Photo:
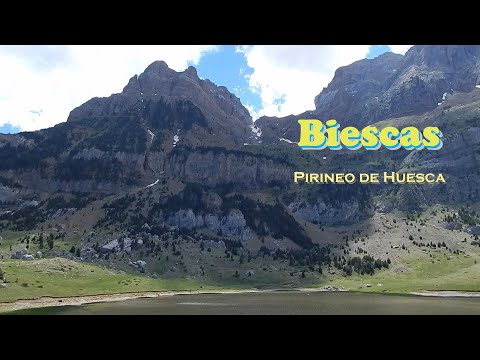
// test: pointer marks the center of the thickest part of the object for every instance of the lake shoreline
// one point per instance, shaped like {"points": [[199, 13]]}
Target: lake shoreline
{"points": [[49, 301], [447, 293]]}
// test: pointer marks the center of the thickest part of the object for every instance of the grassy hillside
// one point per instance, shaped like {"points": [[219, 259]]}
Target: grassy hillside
{"points": [[62, 277], [455, 273]]}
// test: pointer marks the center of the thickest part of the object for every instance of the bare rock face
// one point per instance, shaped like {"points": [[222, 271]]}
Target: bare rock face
{"points": [[458, 163], [159, 80], [454, 225], [222, 110], [474, 230], [322, 213], [358, 87], [19, 254], [210, 168], [232, 225], [184, 219], [139, 265]]}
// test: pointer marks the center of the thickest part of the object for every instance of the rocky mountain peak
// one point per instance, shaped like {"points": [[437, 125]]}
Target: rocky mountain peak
{"points": [[156, 73], [374, 71], [447, 57], [393, 85], [157, 67], [160, 83], [191, 72]]}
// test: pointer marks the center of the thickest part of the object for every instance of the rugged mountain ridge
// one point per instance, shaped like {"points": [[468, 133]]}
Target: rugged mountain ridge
{"points": [[159, 81], [167, 130], [388, 86], [393, 85], [163, 121], [170, 178]]}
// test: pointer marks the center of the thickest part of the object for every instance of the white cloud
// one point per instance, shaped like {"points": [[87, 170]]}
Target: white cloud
{"points": [[399, 49], [41, 84], [288, 77]]}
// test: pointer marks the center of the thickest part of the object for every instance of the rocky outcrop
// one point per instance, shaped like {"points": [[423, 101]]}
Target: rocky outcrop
{"points": [[232, 225], [345, 213], [452, 225], [23, 255], [122, 244], [139, 265], [385, 204], [185, 219], [18, 254], [474, 230], [88, 253], [214, 244]]}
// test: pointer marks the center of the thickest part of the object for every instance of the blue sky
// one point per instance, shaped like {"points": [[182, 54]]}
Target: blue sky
{"points": [[229, 68], [42, 84], [376, 50], [9, 129]]}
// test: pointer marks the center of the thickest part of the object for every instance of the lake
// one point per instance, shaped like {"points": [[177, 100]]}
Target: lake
{"points": [[283, 303]]}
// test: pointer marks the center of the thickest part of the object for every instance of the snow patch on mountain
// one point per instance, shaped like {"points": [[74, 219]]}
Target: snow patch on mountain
{"points": [[287, 140]]}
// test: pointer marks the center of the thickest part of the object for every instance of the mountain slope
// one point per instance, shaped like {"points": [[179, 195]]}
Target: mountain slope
{"points": [[172, 177], [111, 143]]}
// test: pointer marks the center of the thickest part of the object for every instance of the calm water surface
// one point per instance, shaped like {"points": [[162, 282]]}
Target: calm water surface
{"points": [[284, 303]]}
